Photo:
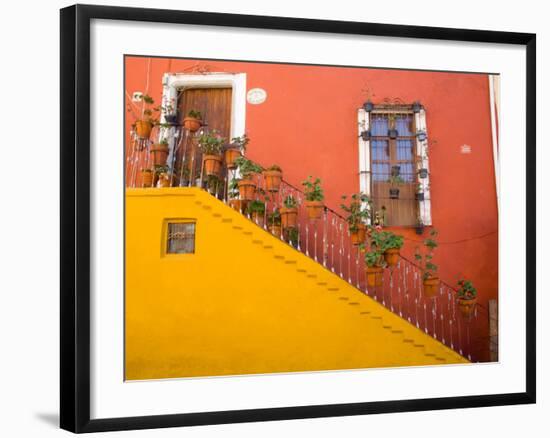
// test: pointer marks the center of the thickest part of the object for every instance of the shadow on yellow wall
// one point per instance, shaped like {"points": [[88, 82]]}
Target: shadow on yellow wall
{"points": [[245, 302]]}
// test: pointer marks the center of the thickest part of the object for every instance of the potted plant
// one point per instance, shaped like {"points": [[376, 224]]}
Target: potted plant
{"points": [[389, 244], [256, 211], [247, 185], [467, 297], [292, 236], [289, 212], [193, 121], [148, 118], [395, 181], [374, 267], [419, 227], [416, 107], [234, 150], [146, 177], [365, 135], [430, 279], [211, 145], [163, 176], [419, 193], [169, 113], [233, 194], [358, 212], [274, 222], [368, 106], [273, 176], [314, 197], [421, 135], [423, 173], [160, 152]]}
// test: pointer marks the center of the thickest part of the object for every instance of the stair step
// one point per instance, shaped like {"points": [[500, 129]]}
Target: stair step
{"points": [[397, 331], [387, 327], [303, 271], [354, 303], [343, 298], [207, 207], [333, 289], [322, 283], [227, 220], [216, 214], [257, 242], [418, 345], [408, 341], [441, 359], [237, 227], [290, 262], [247, 233], [366, 312], [429, 354], [312, 275], [279, 257], [268, 247]]}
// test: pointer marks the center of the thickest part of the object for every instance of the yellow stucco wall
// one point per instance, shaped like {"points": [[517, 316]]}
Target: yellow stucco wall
{"points": [[246, 302]]}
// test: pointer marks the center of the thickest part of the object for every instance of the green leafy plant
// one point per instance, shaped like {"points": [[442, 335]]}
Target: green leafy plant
{"points": [[384, 240], [194, 114], [466, 290], [274, 218], [425, 257], [148, 112], [313, 190], [233, 188], [374, 258], [290, 202], [395, 180], [256, 207], [161, 169], [358, 210], [211, 143], [293, 236], [247, 167], [240, 142]]}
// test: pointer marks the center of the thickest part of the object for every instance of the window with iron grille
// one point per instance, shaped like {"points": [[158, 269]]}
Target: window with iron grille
{"points": [[180, 238], [393, 167]]}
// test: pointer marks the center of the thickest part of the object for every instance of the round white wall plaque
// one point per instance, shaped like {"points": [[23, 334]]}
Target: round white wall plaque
{"points": [[255, 96]]}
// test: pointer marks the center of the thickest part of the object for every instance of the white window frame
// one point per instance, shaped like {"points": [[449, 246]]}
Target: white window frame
{"points": [[172, 82], [365, 173]]}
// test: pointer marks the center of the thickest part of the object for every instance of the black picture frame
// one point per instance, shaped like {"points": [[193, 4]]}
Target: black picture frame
{"points": [[75, 217]]}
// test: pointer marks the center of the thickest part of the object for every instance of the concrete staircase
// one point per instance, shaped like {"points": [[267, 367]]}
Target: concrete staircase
{"points": [[246, 302]]}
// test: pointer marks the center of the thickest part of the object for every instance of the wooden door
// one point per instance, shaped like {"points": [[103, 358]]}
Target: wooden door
{"points": [[213, 103]]}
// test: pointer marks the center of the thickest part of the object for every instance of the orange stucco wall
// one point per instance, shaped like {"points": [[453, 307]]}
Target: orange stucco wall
{"points": [[308, 125]]}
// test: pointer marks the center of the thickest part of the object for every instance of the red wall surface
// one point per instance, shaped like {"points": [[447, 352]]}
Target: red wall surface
{"points": [[308, 125]]}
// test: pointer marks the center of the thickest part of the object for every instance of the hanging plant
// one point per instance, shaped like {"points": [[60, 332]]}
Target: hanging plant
{"points": [[292, 236], [429, 269], [193, 121], [467, 297], [416, 107], [368, 106], [273, 177], [256, 211], [423, 173], [419, 227], [395, 181], [421, 135], [419, 194], [289, 212], [314, 197], [365, 135]]}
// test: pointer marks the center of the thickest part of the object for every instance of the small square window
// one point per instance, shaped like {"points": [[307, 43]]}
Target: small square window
{"points": [[181, 238]]}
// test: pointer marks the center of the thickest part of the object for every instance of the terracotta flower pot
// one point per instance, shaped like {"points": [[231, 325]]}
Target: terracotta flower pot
{"points": [[257, 218], [289, 217], [160, 154], [247, 189], [143, 129], [467, 306], [192, 124], [230, 155], [146, 178], [314, 209], [374, 276], [272, 180], [358, 237], [431, 286], [212, 164], [165, 180], [391, 256], [275, 229]]}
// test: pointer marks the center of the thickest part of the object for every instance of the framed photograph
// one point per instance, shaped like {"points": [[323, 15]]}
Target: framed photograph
{"points": [[269, 218]]}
